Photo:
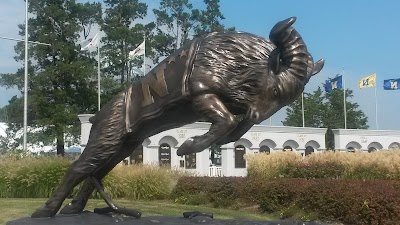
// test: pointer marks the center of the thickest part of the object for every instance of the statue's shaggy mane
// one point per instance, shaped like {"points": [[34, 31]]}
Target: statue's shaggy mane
{"points": [[236, 61]]}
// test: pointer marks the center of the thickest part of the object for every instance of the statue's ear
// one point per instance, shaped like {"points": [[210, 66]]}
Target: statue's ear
{"points": [[317, 67]]}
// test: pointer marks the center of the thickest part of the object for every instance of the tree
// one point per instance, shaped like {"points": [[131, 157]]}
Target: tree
{"points": [[59, 75], [177, 22], [326, 110], [123, 34]]}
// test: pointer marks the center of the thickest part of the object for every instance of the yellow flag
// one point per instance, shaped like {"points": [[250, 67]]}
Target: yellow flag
{"points": [[368, 81]]}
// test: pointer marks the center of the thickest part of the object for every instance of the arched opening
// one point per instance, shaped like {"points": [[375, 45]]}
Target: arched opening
{"points": [[374, 145], [137, 156], [315, 145], [351, 149], [265, 149], [394, 145], [290, 145], [268, 142], [240, 161], [164, 155], [353, 146], [372, 149], [308, 151], [287, 148]]}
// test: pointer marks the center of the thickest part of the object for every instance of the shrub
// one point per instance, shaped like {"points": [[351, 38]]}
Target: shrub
{"points": [[223, 191], [277, 194], [219, 191], [37, 177], [354, 202], [140, 182], [30, 177]]}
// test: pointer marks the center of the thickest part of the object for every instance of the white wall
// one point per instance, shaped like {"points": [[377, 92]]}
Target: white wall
{"points": [[364, 139]]}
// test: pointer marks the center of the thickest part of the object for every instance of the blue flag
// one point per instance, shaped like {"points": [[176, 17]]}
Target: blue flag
{"points": [[333, 84], [391, 84]]}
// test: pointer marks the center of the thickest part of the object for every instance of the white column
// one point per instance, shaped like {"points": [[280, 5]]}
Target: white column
{"points": [[86, 126]]}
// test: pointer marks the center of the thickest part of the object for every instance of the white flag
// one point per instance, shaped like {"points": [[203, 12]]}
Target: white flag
{"points": [[138, 51], [94, 42]]}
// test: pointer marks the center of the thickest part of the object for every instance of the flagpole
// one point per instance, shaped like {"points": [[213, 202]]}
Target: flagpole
{"points": [[376, 106], [26, 78], [98, 76], [302, 106], [144, 56], [344, 100]]}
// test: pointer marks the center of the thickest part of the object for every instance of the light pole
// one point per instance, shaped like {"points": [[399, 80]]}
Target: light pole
{"points": [[26, 71]]}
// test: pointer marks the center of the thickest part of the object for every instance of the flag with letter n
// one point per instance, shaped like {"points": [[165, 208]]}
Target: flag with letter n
{"points": [[368, 81], [333, 84], [391, 84]]}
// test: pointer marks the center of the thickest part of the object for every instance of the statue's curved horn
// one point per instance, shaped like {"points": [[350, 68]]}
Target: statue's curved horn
{"points": [[317, 67], [294, 54]]}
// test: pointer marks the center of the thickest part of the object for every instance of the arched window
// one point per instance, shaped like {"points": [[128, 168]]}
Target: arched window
{"points": [[265, 149], [137, 155], [372, 149], [287, 148], [164, 155], [351, 149], [308, 151], [240, 162]]}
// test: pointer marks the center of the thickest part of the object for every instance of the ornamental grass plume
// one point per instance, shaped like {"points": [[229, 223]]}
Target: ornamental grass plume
{"points": [[362, 165]]}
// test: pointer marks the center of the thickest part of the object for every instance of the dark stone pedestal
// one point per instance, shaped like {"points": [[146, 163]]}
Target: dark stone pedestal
{"points": [[89, 218]]}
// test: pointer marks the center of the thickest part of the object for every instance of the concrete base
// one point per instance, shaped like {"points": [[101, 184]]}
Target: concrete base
{"points": [[89, 218]]}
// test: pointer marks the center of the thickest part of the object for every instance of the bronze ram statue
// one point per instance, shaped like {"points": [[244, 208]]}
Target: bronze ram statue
{"points": [[214, 77]]}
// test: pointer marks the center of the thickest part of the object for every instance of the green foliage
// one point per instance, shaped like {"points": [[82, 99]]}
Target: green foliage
{"points": [[59, 75], [123, 34], [30, 177], [177, 21], [63, 79], [354, 202], [325, 110], [218, 191], [26, 176], [139, 182], [350, 202]]}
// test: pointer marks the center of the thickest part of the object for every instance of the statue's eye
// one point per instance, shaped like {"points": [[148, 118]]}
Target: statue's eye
{"points": [[276, 92]]}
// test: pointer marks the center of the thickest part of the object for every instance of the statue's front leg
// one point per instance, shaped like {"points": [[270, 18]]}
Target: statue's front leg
{"points": [[210, 107], [237, 133]]}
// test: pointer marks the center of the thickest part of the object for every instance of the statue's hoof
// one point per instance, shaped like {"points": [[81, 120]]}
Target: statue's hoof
{"points": [[44, 211], [72, 208], [186, 148]]}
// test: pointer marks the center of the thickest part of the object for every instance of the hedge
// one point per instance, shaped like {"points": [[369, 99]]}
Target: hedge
{"points": [[353, 202]]}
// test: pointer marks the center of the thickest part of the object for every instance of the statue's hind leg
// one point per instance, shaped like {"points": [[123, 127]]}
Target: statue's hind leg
{"points": [[79, 202], [223, 122], [107, 136]]}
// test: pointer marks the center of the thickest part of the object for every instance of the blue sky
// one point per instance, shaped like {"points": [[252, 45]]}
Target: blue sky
{"points": [[361, 36]]}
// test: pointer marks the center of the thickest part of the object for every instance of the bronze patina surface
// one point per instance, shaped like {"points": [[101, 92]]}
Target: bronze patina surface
{"points": [[215, 77]]}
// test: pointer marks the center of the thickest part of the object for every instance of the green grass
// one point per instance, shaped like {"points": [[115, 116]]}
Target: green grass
{"points": [[15, 208]]}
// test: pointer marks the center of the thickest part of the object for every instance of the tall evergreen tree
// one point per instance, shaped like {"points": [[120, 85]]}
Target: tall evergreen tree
{"points": [[59, 87], [178, 21], [123, 34]]}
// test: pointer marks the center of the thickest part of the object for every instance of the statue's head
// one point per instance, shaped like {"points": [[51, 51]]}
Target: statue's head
{"points": [[290, 67]]}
